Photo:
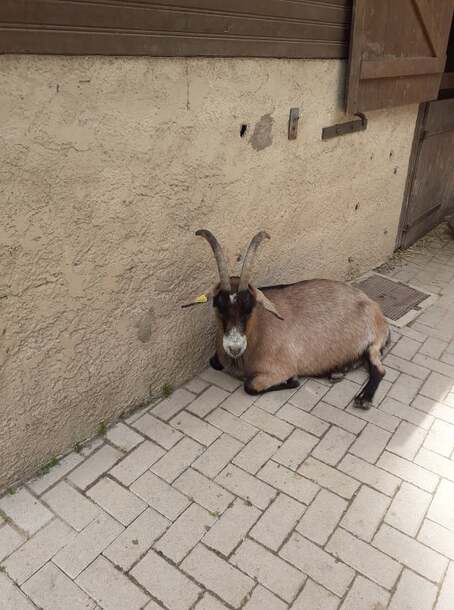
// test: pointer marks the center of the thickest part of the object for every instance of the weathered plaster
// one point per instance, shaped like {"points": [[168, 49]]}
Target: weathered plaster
{"points": [[108, 166]]}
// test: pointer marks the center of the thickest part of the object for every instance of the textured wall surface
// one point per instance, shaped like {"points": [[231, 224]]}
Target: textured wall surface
{"points": [[108, 166]]}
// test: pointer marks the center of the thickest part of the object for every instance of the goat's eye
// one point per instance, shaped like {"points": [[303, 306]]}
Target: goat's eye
{"points": [[221, 302], [247, 302]]}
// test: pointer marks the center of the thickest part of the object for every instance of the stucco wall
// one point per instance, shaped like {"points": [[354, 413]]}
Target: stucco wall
{"points": [[108, 166]]}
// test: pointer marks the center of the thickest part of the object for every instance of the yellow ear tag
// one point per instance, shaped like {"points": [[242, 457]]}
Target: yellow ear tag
{"points": [[201, 299]]}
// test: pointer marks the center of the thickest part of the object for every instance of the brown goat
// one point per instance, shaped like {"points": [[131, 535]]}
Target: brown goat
{"points": [[273, 335]]}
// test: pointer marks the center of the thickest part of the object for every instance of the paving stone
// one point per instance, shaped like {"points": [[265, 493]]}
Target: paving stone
{"points": [[246, 486], [406, 440], [165, 582], [406, 348], [123, 436], [271, 571], [231, 528], [161, 496], [322, 517], [271, 402], [199, 430], [175, 461], [303, 420], [257, 452], [381, 392], [435, 463], [408, 508], [317, 564], [404, 366], [132, 543], [218, 455], [185, 533], [267, 422], [196, 385], [158, 431], [338, 417], [440, 438], [411, 553], [408, 471], [25, 510], [435, 365], [123, 505], [217, 575], [234, 426], [333, 446], [11, 597], [447, 590], [94, 466], [65, 465], [432, 407], [38, 550], [369, 474], [315, 597], [277, 522], [224, 381], [238, 402], [436, 386], [261, 598], [10, 540], [50, 588], [309, 395], [413, 592], [329, 477], [71, 505], [370, 443], [207, 603], [207, 493], [342, 393], [295, 449], [375, 416], [81, 550], [169, 407], [438, 538], [365, 513], [208, 401], [365, 594], [364, 558], [137, 462], [408, 413], [441, 510], [110, 587], [289, 482], [405, 388]]}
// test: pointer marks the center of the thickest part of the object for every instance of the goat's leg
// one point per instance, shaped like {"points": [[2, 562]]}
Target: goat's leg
{"points": [[216, 363], [376, 373], [267, 383]]}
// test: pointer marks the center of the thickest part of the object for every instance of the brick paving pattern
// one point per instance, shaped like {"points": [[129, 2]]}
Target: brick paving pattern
{"points": [[215, 500]]}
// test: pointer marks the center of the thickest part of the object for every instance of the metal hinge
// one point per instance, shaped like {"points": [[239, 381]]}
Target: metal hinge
{"points": [[342, 129]]}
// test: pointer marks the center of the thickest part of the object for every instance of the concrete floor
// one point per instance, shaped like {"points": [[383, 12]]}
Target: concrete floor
{"points": [[212, 499]]}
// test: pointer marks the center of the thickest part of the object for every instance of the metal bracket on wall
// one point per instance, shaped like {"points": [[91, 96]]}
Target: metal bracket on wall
{"points": [[293, 123], [341, 129]]}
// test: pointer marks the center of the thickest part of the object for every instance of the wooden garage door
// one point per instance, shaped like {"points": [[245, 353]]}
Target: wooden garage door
{"points": [[256, 28]]}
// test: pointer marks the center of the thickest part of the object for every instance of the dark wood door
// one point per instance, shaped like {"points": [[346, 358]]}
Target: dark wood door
{"points": [[430, 187]]}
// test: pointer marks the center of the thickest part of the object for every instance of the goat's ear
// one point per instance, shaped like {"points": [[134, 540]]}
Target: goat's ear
{"points": [[200, 300], [266, 303]]}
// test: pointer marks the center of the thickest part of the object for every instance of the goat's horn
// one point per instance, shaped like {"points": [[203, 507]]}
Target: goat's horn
{"points": [[219, 256], [249, 259]]}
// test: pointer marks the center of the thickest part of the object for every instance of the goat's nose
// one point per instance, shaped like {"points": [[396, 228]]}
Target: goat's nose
{"points": [[235, 350]]}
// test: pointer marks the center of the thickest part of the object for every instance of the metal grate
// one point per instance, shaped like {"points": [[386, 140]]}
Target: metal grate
{"points": [[395, 299]]}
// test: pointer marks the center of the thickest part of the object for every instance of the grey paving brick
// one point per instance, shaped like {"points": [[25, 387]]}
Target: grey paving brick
{"points": [[137, 538], [446, 596], [271, 571], [94, 466], [370, 443], [329, 477], [25, 510], [261, 598], [267, 422], [64, 466], [408, 508], [123, 436], [246, 486], [438, 538], [436, 386], [217, 575], [364, 558], [406, 440], [277, 522], [434, 408], [365, 513], [137, 462], [295, 449], [209, 602], [257, 452], [289, 482], [317, 564], [406, 348], [199, 430], [196, 385], [315, 597], [238, 402], [405, 388], [175, 461], [158, 431], [169, 407], [434, 365], [11, 597], [309, 395], [218, 455], [435, 463], [333, 445], [159, 495], [365, 594], [224, 381], [342, 393], [369, 474], [207, 402], [185, 533], [338, 417], [407, 413], [322, 517], [440, 438], [413, 592], [375, 416], [273, 401], [441, 510], [404, 366], [116, 500], [408, 471], [300, 419], [233, 425], [165, 582], [231, 528], [71, 505], [207, 493], [10, 540]]}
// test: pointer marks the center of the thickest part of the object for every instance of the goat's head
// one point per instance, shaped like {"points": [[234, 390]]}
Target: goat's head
{"points": [[235, 298]]}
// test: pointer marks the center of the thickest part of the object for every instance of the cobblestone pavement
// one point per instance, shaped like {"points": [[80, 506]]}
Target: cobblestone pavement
{"points": [[213, 499]]}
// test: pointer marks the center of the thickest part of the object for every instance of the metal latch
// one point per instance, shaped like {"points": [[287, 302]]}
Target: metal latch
{"points": [[341, 129], [293, 123]]}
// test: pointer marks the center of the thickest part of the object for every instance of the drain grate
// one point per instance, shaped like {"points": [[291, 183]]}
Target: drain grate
{"points": [[395, 299]]}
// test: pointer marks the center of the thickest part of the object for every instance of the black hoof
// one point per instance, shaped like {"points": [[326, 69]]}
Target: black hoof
{"points": [[293, 382], [250, 390], [362, 403], [215, 363], [336, 377]]}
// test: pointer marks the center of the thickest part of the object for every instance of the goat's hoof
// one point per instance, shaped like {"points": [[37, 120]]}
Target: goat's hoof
{"points": [[362, 403], [249, 389], [336, 377], [215, 364], [292, 383]]}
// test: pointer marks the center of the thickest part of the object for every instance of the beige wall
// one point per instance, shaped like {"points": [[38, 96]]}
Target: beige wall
{"points": [[108, 166]]}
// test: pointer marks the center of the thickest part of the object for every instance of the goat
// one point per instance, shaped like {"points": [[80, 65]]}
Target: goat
{"points": [[271, 336]]}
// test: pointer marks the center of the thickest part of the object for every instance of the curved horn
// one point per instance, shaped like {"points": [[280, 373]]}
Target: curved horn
{"points": [[249, 259], [219, 255]]}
